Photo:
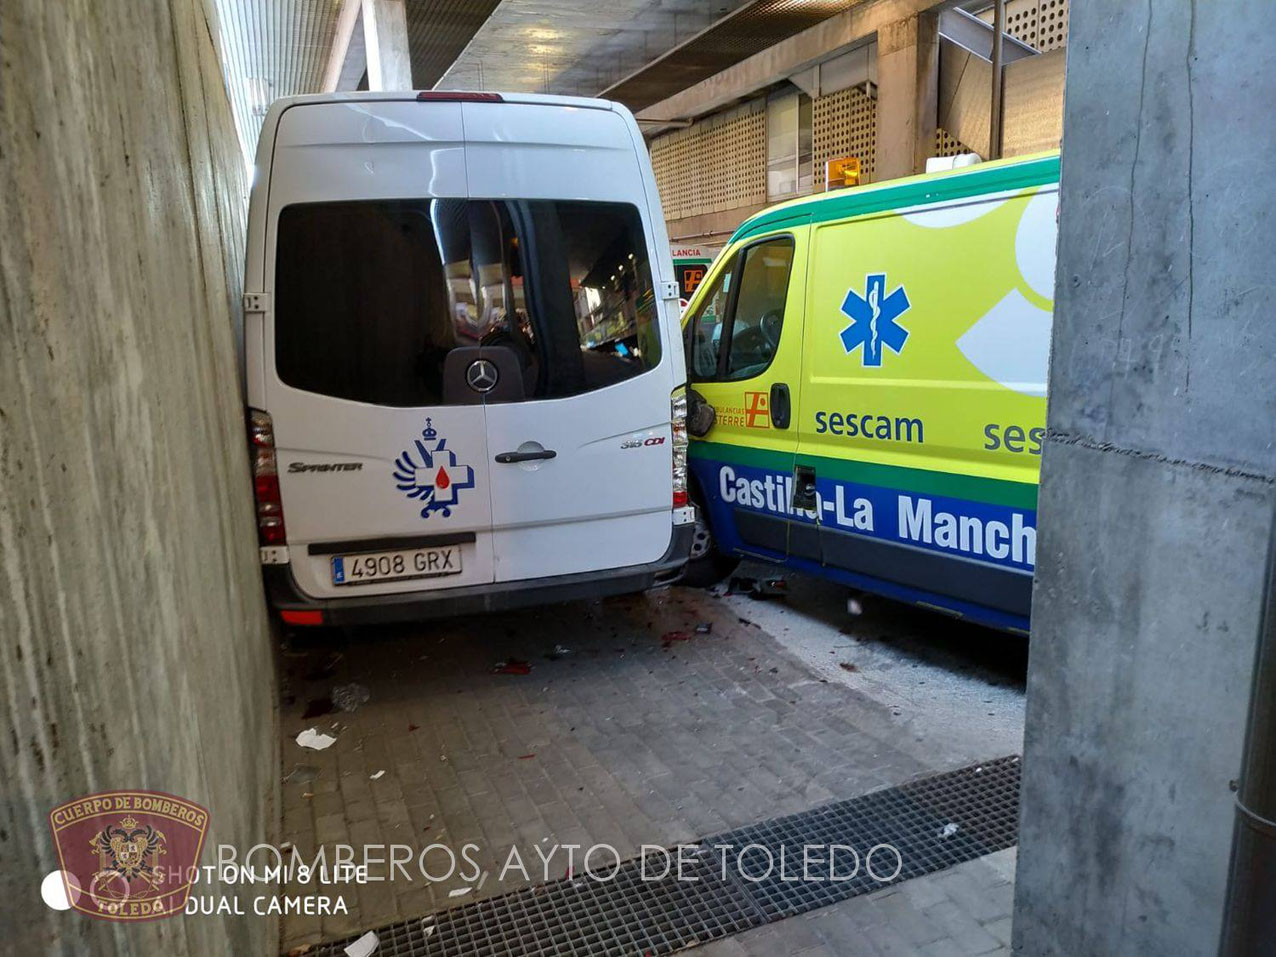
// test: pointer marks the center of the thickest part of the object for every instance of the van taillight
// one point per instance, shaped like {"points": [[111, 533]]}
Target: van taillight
{"points": [[270, 506], [678, 423]]}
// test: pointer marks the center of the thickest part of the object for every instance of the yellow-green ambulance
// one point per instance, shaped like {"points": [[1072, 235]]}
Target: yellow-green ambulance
{"points": [[876, 360]]}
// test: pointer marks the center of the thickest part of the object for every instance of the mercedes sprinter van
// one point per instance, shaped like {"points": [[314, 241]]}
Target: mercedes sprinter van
{"points": [[464, 373]]}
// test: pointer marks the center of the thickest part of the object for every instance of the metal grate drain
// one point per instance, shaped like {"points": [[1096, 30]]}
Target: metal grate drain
{"points": [[934, 822]]}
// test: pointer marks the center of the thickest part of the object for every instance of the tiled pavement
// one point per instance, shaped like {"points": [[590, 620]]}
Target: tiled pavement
{"points": [[625, 739], [961, 912]]}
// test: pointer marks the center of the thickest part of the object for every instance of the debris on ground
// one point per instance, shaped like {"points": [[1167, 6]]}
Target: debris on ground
{"points": [[512, 666], [558, 652], [377, 776], [948, 830], [349, 697], [427, 926], [315, 739], [364, 946], [459, 891], [412, 727], [524, 757], [301, 774], [771, 588], [317, 708], [327, 669], [854, 606], [760, 588], [704, 628], [847, 666]]}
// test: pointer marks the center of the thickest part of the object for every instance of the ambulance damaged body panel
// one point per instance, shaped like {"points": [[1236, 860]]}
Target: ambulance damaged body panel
{"points": [[911, 354]]}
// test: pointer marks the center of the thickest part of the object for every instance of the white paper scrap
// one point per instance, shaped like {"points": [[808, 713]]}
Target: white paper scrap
{"points": [[363, 946], [315, 740]]}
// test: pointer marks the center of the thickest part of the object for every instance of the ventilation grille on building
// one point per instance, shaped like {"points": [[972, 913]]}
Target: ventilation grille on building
{"points": [[843, 124], [948, 145], [1042, 24], [714, 165]]}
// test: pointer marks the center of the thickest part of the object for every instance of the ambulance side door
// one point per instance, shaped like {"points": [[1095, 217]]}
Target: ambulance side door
{"points": [[744, 355]]}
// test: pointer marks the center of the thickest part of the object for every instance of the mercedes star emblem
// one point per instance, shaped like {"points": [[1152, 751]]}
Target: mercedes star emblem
{"points": [[482, 375]]}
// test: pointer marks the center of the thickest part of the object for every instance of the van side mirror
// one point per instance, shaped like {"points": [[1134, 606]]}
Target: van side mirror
{"points": [[700, 414]]}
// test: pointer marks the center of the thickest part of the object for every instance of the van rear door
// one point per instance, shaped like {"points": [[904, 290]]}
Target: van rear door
{"points": [[581, 450], [382, 453]]}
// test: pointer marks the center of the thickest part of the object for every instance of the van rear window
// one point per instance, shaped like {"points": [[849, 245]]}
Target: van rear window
{"points": [[371, 297]]}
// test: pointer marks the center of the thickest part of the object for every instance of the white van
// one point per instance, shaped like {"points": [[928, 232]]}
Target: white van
{"points": [[464, 371]]}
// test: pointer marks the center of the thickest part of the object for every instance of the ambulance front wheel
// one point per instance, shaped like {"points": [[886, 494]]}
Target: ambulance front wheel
{"points": [[706, 566]]}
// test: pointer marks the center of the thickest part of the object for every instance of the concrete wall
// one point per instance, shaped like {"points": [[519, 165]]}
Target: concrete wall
{"points": [[1157, 483], [134, 641]]}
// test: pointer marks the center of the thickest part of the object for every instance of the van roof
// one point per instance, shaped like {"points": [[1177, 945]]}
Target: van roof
{"points": [[1008, 174], [362, 96]]}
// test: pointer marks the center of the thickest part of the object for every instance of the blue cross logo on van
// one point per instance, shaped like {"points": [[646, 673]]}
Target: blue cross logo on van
{"points": [[432, 476], [873, 319]]}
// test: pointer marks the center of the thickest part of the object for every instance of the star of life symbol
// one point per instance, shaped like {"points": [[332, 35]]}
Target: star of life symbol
{"points": [[873, 319], [429, 473]]}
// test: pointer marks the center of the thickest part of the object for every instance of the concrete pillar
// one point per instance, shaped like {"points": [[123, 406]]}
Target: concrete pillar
{"points": [[385, 34], [1157, 480], [907, 95]]}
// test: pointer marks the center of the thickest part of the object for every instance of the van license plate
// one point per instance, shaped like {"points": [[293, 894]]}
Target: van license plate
{"points": [[388, 566]]}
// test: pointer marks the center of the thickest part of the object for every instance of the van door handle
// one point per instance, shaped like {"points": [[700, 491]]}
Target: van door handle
{"points": [[508, 458], [780, 405]]}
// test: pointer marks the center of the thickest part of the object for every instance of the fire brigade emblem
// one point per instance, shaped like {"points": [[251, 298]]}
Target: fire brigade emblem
{"points": [[429, 473], [128, 855], [130, 850]]}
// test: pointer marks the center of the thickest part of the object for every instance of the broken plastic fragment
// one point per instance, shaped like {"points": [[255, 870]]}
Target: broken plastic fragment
{"points": [[349, 697], [315, 739], [377, 776], [948, 830], [459, 891]]}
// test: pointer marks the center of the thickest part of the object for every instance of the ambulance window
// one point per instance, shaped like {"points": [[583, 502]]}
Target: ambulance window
{"points": [[758, 317], [706, 335]]}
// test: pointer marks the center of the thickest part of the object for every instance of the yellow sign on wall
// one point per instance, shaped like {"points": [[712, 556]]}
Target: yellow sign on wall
{"points": [[843, 172]]}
